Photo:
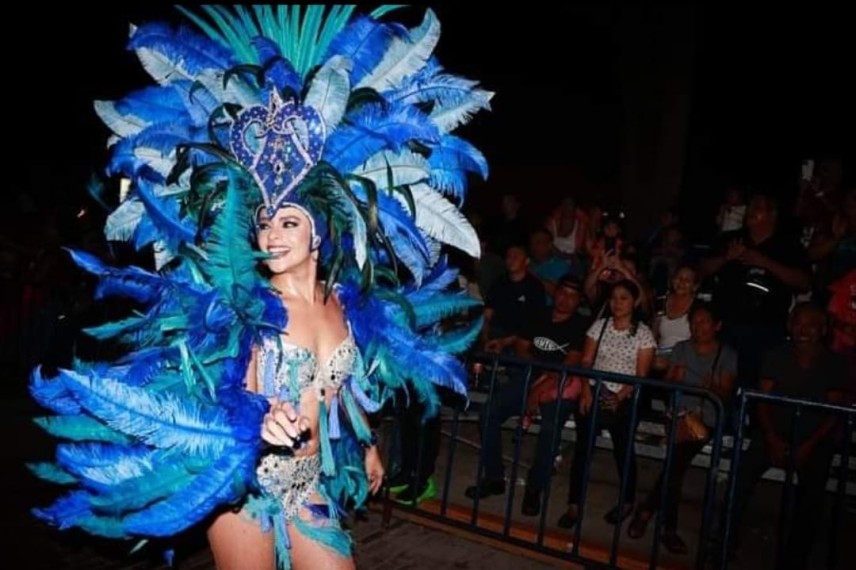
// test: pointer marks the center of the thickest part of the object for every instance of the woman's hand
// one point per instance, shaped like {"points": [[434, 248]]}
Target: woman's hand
{"points": [[374, 469], [283, 426]]}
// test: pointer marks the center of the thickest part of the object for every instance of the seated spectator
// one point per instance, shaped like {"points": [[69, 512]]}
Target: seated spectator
{"points": [[545, 264], [702, 361], [568, 226], [621, 344], [804, 369], [552, 336], [672, 325], [512, 298]]}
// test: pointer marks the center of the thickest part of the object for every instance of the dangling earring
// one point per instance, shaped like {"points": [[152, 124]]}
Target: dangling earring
{"points": [[315, 247]]}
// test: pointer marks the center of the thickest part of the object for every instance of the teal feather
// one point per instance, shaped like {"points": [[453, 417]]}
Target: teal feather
{"points": [[442, 305], [52, 472], [459, 341], [333, 537], [220, 484], [328, 467], [355, 417], [165, 479], [80, 428], [114, 329]]}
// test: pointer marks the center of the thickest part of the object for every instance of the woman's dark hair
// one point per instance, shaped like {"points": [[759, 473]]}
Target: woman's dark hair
{"points": [[633, 289], [708, 308]]}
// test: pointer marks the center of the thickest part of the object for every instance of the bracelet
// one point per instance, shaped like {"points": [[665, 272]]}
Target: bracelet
{"points": [[372, 441]]}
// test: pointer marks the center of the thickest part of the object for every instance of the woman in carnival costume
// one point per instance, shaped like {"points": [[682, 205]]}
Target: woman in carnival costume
{"points": [[294, 172]]}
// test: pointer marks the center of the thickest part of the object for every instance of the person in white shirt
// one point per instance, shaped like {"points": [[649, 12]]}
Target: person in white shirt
{"points": [[618, 343]]}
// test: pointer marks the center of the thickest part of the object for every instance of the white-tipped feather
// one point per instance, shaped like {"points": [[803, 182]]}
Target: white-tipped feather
{"points": [[442, 220], [121, 125], [450, 117], [330, 90], [404, 58], [407, 168], [123, 221]]}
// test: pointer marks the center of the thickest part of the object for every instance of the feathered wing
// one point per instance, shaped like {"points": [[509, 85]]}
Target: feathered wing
{"points": [[158, 440]]}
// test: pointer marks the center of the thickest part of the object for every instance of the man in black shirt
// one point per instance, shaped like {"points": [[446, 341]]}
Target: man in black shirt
{"points": [[513, 297], [555, 336], [803, 369], [757, 272]]}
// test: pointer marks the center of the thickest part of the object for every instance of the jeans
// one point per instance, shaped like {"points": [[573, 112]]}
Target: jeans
{"points": [[509, 400]]}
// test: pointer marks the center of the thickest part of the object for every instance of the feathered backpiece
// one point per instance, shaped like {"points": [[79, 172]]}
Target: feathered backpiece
{"points": [[349, 115]]}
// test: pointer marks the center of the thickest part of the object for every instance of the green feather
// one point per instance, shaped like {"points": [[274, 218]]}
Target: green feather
{"points": [[80, 428], [52, 472]]}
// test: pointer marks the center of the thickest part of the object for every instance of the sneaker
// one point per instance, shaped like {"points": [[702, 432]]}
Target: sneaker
{"points": [[486, 488], [399, 482], [427, 491]]}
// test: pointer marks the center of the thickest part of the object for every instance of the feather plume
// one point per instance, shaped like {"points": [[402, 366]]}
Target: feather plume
{"points": [[373, 128], [100, 465], [52, 394], [364, 42], [439, 306], [219, 485], [405, 57], [328, 94], [443, 221], [80, 428], [52, 473], [162, 420], [123, 221], [169, 55], [405, 167]]}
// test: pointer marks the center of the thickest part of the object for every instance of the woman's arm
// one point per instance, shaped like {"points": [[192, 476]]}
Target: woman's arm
{"points": [[251, 380]]}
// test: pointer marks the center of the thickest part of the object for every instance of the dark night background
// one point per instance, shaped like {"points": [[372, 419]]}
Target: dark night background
{"points": [[639, 107]]}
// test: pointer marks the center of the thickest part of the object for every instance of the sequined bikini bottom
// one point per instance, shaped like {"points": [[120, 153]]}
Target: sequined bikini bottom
{"points": [[289, 479]]}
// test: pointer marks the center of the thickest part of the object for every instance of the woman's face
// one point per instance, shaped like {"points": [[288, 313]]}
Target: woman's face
{"points": [[703, 327], [684, 281], [621, 302], [287, 237]]}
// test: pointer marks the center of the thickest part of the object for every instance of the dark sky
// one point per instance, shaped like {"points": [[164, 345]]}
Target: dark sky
{"points": [[768, 87]]}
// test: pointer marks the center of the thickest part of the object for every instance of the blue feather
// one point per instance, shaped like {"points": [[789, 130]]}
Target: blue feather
{"points": [[401, 230], [221, 484], [280, 71], [199, 102], [52, 394], [67, 511], [164, 214], [364, 41], [100, 465], [153, 105], [191, 52], [144, 364], [440, 278], [132, 282], [163, 420], [79, 428], [376, 127], [450, 161]]}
